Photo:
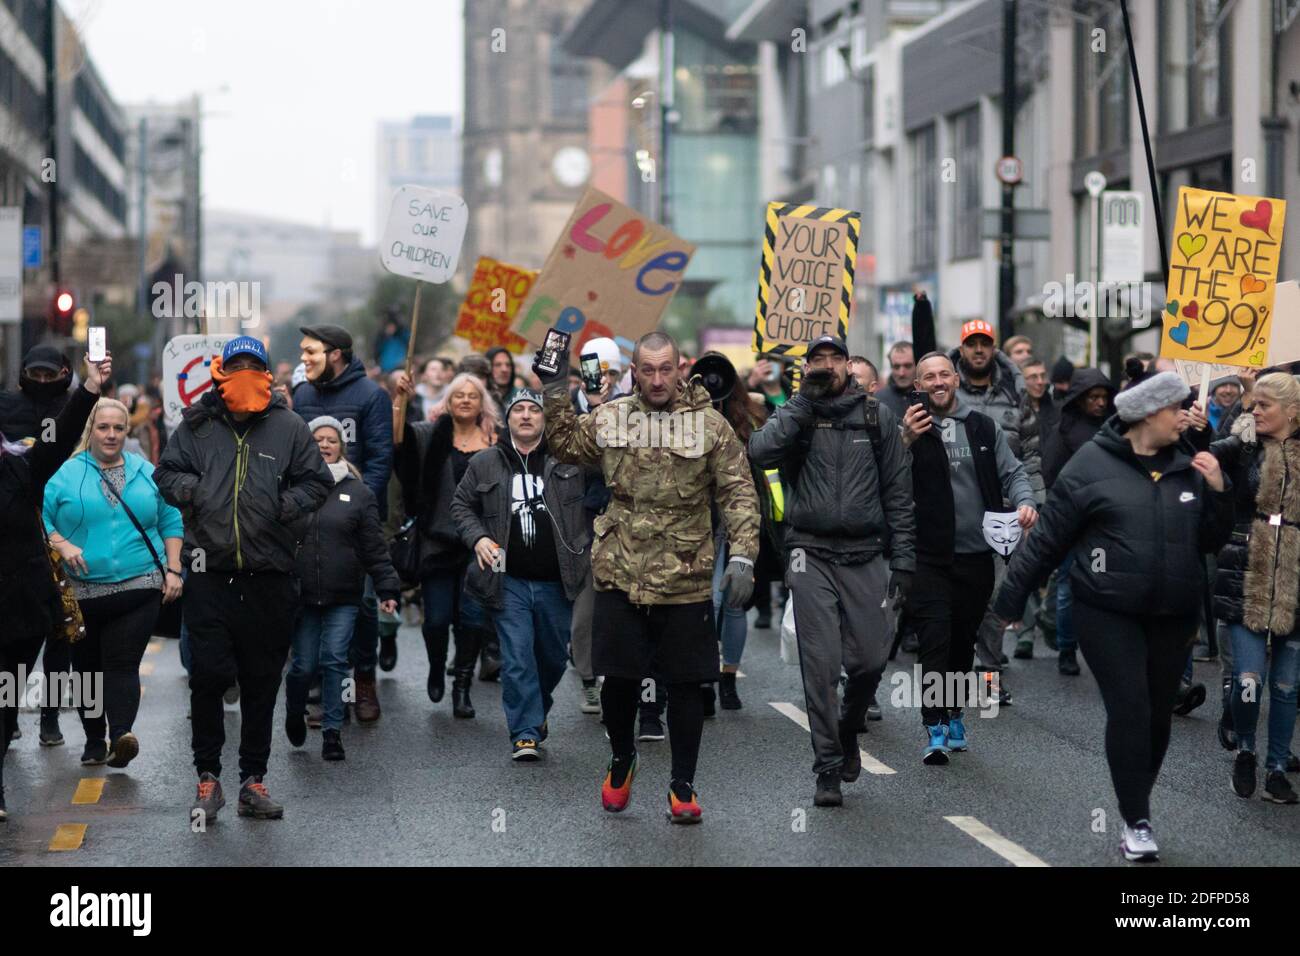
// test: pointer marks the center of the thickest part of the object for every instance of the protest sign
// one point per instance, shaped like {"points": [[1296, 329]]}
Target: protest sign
{"points": [[1284, 333], [805, 281], [1221, 282], [187, 372], [495, 293], [611, 273], [425, 230]]}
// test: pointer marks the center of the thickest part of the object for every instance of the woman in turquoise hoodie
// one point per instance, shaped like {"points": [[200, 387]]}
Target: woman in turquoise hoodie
{"points": [[120, 574]]}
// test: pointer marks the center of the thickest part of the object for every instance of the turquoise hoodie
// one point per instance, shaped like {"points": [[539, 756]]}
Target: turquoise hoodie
{"points": [[77, 507]]}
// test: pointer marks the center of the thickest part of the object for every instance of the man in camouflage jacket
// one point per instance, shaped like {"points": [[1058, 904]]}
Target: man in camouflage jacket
{"points": [[666, 456]]}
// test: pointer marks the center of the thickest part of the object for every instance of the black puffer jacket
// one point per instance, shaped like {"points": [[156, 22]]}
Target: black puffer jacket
{"points": [[341, 543], [1243, 463], [29, 601], [1137, 543], [239, 495], [22, 415], [841, 503], [1069, 429]]}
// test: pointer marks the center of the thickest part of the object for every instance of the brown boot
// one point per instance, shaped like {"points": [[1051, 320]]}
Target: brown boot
{"points": [[367, 705]]}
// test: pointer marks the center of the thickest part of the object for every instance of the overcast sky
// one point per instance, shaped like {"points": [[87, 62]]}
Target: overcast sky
{"points": [[294, 135]]}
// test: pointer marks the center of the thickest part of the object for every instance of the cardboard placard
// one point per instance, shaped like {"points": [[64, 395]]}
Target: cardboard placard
{"points": [[1284, 333], [611, 273], [187, 372], [424, 233], [805, 276], [495, 294], [1222, 278]]}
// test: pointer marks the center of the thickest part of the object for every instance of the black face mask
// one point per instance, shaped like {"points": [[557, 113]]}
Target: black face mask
{"points": [[44, 391]]}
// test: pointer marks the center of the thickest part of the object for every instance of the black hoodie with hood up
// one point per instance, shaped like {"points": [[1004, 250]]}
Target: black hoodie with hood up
{"points": [[1070, 429]]}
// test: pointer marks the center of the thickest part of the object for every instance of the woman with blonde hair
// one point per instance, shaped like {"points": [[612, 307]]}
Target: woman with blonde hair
{"points": [[1257, 584], [340, 543], [105, 516], [430, 462]]}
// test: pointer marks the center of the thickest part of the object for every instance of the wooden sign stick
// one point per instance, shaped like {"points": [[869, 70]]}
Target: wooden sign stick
{"points": [[1206, 368], [399, 419]]}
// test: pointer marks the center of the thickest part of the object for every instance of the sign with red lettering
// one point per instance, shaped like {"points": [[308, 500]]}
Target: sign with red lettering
{"points": [[805, 276], [494, 296], [187, 372], [611, 274]]}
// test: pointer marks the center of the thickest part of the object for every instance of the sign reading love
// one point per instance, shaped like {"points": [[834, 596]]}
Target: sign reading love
{"points": [[1222, 280], [611, 274]]}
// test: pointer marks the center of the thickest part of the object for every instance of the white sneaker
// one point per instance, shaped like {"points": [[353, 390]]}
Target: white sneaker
{"points": [[1138, 845], [591, 699]]}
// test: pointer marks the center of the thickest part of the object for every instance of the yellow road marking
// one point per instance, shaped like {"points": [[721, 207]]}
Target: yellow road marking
{"points": [[89, 790], [68, 836]]}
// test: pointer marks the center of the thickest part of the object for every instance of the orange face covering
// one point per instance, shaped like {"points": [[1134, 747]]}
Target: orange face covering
{"points": [[246, 390]]}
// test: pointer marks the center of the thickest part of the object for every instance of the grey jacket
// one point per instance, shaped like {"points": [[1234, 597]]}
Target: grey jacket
{"points": [[481, 508], [1003, 401], [842, 501]]}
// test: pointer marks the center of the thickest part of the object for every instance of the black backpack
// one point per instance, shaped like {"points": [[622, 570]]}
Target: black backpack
{"points": [[793, 465]]}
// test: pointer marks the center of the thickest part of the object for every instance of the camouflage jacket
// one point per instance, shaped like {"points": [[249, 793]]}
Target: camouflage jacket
{"points": [[663, 469]]}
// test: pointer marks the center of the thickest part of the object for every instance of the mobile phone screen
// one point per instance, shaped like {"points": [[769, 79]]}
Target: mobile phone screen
{"points": [[556, 345], [591, 377], [96, 343]]}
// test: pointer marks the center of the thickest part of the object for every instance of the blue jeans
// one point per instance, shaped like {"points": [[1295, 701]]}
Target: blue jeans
{"points": [[365, 637], [533, 628], [321, 638], [1065, 607], [1249, 658], [732, 623]]}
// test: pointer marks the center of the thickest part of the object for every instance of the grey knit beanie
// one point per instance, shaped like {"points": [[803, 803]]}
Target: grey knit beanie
{"points": [[1150, 395], [322, 420]]}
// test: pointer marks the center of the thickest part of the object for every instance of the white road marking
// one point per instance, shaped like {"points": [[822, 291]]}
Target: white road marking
{"points": [[1013, 853], [869, 763]]}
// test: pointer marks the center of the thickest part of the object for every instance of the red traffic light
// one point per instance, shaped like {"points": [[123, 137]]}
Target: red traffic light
{"points": [[64, 302]]}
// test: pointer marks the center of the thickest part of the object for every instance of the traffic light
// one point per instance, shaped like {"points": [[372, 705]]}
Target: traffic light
{"points": [[61, 312], [81, 325]]}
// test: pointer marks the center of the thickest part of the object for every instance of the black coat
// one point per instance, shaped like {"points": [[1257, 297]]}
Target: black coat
{"points": [[850, 497], [1067, 429], [340, 543], [29, 601], [21, 415], [481, 508], [242, 524], [1137, 543]]}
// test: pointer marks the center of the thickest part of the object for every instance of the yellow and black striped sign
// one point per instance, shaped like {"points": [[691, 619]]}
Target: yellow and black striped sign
{"points": [[805, 278]]}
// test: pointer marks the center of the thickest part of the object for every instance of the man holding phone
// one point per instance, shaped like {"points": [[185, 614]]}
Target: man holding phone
{"points": [[962, 466], [652, 557], [849, 537]]}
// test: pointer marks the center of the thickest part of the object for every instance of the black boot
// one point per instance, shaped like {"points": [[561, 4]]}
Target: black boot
{"points": [[727, 695], [51, 736], [436, 647], [489, 667], [460, 702], [708, 698]]}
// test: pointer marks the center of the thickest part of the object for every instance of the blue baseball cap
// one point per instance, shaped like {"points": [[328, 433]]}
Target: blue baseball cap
{"points": [[245, 345]]}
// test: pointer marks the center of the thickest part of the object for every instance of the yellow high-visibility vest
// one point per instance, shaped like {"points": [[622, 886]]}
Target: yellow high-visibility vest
{"points": [[778, 496]]}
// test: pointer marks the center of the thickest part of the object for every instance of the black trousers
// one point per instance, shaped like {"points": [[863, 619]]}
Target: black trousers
{"points": [[946, 607], [15, 657], [240, 628], [1138, 662], [118, 627]]}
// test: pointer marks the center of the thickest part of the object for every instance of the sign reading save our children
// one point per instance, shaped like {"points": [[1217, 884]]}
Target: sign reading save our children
{"points": [[424, 233], [611, 273], [1222, 278]]}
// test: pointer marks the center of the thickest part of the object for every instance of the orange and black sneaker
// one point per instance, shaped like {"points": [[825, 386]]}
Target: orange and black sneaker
{"points": [[617, 788], [683, 805]]}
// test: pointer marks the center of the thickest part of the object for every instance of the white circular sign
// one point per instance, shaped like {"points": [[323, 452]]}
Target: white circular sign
{"points": [[571, 166], [1094, 182], [1010, 170]]}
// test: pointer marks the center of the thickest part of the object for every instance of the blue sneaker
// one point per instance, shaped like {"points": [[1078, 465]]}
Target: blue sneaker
{"points": [[956, 733], [936, 752]]}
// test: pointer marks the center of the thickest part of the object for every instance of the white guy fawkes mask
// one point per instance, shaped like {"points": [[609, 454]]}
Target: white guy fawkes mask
{"points": [[1001, 531]]}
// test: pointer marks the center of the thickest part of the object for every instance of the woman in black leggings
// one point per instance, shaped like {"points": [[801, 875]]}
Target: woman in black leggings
{"points": [[1136, 508]]}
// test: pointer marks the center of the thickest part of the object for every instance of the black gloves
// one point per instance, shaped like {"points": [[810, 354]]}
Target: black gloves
{"points": [[816, 384], [561, 374], [900, 586]]}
